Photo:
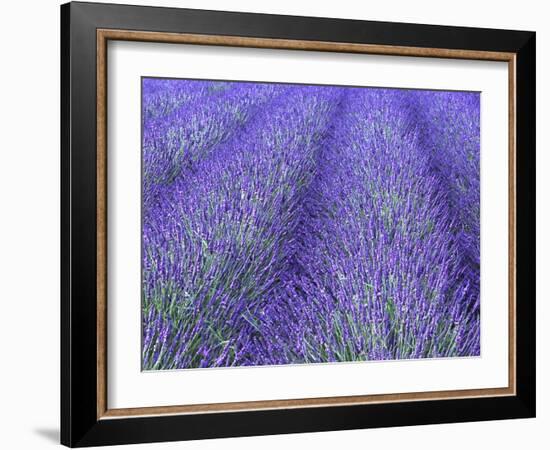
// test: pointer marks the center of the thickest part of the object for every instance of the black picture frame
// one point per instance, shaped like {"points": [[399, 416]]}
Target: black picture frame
{"points": [[80, 425]]}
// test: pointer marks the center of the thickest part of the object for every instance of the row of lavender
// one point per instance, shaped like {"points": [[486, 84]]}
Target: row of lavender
{"points": [[292, 224]]}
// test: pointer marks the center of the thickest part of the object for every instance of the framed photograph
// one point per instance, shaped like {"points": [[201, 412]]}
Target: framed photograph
{"points": [[277, 224]]}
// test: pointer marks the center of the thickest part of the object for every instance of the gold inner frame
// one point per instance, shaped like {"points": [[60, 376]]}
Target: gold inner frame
{"points": [[103, 36]]}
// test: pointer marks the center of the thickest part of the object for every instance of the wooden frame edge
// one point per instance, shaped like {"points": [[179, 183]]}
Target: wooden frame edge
{"points": [[101, 223], [289, 44], [512, 200], [103, 35], [212, 408]]}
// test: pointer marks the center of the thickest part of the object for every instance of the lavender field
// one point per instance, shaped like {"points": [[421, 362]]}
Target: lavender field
{"points": [[289, 224]]}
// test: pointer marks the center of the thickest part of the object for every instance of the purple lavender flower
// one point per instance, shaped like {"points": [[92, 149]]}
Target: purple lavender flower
{"points": [[300, 224]]}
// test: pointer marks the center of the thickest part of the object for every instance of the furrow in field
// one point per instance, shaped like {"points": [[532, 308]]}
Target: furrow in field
{"points": [[449, 131], [188, 123], [379, 259], [219, 249]]}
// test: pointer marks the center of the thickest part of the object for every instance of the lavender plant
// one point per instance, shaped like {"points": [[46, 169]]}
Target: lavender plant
{"points": [[304, 224]]}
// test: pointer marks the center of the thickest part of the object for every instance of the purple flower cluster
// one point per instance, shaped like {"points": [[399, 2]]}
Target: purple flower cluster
{"points": [[287, 224]]}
